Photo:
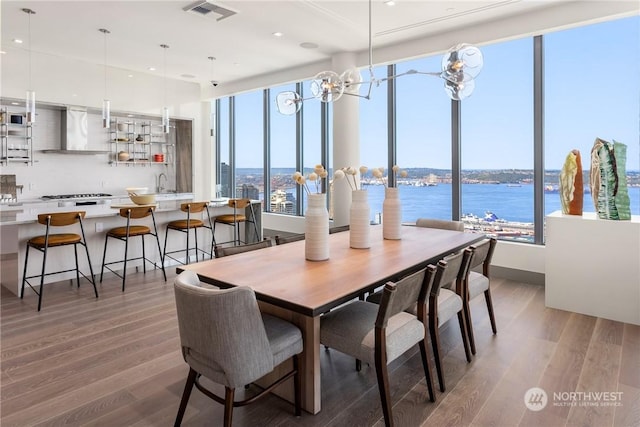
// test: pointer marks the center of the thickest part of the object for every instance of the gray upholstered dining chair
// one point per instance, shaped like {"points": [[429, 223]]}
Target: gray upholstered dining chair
{"points": [[225, 338], [440, 223], [445, 301], [221, 251], [477, 283], [378, 334]]}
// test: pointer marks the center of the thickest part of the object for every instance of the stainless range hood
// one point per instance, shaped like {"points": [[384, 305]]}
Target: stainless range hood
{"points": [[74, 135]]}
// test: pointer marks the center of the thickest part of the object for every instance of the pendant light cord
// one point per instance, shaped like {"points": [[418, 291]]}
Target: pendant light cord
{"points": [[29, 26]]}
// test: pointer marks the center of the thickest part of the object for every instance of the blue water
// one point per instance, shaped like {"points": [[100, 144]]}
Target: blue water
{"points": [[510, 203]]}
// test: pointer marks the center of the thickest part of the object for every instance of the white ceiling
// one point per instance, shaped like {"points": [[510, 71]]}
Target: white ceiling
{"points": [[243, 43]]}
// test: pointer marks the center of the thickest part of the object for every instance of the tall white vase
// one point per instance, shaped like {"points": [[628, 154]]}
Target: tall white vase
{"points": [[316, 228], [391, 214], [359, 220]]}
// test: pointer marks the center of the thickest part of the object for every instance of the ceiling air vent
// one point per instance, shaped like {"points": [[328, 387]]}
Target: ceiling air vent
{"points": [[209, 10]]}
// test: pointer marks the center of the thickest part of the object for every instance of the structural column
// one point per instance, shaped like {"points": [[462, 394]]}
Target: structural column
{"points": [[346, 140]]}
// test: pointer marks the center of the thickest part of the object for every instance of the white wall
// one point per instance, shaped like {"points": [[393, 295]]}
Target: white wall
{"points": [[61, 81]]}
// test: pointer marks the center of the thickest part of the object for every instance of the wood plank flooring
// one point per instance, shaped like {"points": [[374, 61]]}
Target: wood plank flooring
{"points": [[116, 361]]}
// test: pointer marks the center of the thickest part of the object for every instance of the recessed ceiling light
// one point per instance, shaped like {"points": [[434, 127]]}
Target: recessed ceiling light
{"points": [[2, 52], [308, 45], [129, 115], [130, 75], [17, 41], [390, 2], [15, 103], [151, 68], [450, 9], [74, 95], [278, 34], [187, 76]]}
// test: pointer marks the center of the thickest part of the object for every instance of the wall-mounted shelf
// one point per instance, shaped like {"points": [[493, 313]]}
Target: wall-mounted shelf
{"points": [[136, 142], [16, 141]]}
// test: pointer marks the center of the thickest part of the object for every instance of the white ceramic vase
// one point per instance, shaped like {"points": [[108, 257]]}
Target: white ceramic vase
{"points": [[391, 214], [359, 220], [316, 228]]}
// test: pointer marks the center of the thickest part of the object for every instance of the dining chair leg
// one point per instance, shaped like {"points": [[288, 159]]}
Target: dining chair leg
{"points": [[487, 298], [164, 252], [463, 331], [195, 240], [186, 261], [188, 387], [467, 315], [144, 256], [383, 384], [427, 368], [228, 406], [435, 344]]}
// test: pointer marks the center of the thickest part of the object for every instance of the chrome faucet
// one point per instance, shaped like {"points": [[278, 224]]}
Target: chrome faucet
{"points": [[160, 187]]}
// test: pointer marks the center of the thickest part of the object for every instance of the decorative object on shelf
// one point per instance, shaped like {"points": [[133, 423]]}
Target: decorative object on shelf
{"points": [[122, 127], [460, 66], [608, 180], [139, 138], [106, 104], [571, 185], [30, 100], [316, 222], [123, 156]]}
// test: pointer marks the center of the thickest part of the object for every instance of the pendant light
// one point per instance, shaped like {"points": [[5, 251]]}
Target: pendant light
{"points": [[213, 82], [106, 104], [30, 100], [165, 109]]}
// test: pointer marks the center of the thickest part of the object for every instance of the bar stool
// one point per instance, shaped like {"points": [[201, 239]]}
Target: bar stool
{"points": [[235, 219], [190, 224], [49, 240], [129, 231]]}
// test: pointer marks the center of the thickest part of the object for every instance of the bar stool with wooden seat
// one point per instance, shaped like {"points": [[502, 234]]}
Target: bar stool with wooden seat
{"points": [[236, 218], [129, 231], [185, 225], [50, 240]]}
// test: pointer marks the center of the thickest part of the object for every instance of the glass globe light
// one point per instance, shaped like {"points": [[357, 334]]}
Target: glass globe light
{"points": [[327, 86], [351, 79], [459, 91], [288, 102], [462, 58]]}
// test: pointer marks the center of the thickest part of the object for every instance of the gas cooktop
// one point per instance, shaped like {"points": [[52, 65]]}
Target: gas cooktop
{"points": [[77, 196]]}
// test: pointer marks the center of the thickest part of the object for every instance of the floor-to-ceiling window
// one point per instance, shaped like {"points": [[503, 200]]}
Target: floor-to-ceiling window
{"points": [[423, 134], [373, 137], [223, 186], [592, 90], [497, 143], [249, 141], [311, 136], [282, 145]]}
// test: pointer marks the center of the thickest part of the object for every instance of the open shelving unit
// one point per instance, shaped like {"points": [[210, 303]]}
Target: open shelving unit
{"points": [[16, 138], [137, 142]]}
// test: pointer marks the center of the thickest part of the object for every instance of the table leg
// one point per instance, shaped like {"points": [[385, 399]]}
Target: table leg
{"points": [[310, 360]]}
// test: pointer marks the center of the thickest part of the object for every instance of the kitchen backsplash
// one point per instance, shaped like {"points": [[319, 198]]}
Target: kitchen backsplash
{"points": [[53, 173]]}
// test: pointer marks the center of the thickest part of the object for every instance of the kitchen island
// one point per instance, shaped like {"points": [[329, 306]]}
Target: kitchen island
{"points": [[19, 223]]}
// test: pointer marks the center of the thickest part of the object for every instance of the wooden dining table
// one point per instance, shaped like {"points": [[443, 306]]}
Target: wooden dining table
{"points": [[289, 286]]}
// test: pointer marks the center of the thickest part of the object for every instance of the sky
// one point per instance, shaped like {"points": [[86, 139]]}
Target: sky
{"points": [[591, 89]]}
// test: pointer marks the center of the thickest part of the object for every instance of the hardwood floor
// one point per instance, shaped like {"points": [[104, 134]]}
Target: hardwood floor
{"points": [[116, 361]]}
